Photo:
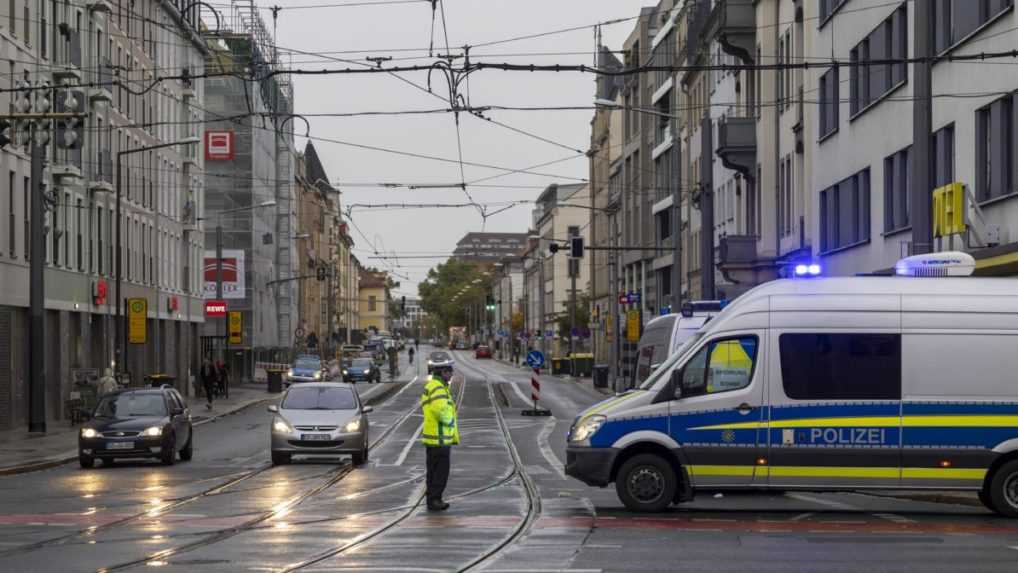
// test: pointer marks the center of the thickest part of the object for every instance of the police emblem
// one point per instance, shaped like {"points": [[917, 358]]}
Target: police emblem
{"points": [[728, 436]]}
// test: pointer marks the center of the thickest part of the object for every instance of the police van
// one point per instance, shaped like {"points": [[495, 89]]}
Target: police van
{"points": [[664, 335], [905, 382]]}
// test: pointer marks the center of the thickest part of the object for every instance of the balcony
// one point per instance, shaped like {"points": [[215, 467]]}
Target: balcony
{"points": [[70, 67], [101, 180], [696, 20], [733, 24], [739, 263], [737, 144], [103, 90]]}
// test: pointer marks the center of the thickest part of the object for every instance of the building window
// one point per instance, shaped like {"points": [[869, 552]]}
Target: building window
{"points": [[844, 213], [995, 149], [664, 225], [11, 216], [67, 230], [897, 189], [80, 249], [372, 303], [829, 102], [828, 8], [889, 41], [956, 20], [943, 142], [27, 191]]}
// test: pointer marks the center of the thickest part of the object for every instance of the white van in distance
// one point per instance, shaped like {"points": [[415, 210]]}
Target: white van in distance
{"points": [[818, 384]]}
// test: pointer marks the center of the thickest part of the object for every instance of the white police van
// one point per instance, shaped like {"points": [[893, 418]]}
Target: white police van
{"points": [[825, 384], [664, 335]]}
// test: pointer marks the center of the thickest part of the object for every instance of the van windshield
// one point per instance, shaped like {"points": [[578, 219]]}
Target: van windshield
{"points": [[666, 367]]}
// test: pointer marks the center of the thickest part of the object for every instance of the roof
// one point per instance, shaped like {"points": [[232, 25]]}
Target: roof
{"points": [[371, 279]]}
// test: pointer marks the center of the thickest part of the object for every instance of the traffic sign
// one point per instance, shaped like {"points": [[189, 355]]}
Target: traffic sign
{"points": [[535, 359], [623, 298], [634, 298]]}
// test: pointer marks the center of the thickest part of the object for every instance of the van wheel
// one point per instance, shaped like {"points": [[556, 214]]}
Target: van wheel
{"points": [[646, 483], [1003, 491]]}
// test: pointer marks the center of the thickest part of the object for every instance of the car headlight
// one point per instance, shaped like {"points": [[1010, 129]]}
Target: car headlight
{"points": [[586, 428], [154, 431], [290, 373], [282, 427], [318, 375], [88, 433], [353, 426]]}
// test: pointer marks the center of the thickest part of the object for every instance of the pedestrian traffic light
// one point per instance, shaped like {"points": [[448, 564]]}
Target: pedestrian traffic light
{"points": [[70, 132], [576, 247]]}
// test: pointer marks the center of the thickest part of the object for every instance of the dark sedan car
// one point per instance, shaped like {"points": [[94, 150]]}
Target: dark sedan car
{"points": [[362, 369], [482, 351], [142, 423]]}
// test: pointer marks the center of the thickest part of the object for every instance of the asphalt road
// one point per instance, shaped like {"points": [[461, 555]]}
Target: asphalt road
{"points": [[512, 508]]}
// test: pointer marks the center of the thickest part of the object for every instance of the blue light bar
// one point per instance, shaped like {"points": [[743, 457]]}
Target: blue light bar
{"points": [[807, 270]]}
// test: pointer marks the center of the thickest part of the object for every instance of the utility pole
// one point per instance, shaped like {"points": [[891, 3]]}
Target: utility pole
{"points": [[540, 302], [329, 301], [676, 219], [707, 209], [922, 129]]}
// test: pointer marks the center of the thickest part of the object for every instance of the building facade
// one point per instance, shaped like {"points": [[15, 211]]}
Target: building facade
{"points": [[488, 248], [113, 55], [375, 300]]}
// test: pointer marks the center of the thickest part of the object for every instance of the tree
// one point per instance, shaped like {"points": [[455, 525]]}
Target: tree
{"points": [[442, 286], [582, 315]]}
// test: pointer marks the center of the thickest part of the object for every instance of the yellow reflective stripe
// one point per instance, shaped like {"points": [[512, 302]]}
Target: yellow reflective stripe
{"points": [[433, 398], [944, 421], [837, 472]]}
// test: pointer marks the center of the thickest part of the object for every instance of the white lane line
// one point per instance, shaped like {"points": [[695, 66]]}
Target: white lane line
{"points": [[545, 446], [894, 518], [802, 516], [824, 502], [1015, 547], [523, 397], [406, 449]]}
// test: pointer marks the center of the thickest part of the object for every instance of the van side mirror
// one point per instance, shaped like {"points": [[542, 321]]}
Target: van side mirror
{"points": [[367, 410], [273, 408]]}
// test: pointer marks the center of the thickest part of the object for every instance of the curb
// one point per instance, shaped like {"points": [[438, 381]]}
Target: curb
{"points": [[930, 498], [68, 458]]}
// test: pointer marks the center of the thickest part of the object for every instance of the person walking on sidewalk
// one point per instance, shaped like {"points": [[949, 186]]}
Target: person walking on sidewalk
{"points": [[439, 434], [107, 384], [208, 381]]}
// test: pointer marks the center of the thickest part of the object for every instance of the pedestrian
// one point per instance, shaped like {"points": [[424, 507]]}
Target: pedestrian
{"points": [[410, 353], [516, 353], [107, 384], [208, 381], [222, 377], [439, 434]]}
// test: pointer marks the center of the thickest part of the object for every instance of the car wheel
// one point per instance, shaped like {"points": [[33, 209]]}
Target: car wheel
{"points": [[1003, 490], [361, 458], [169, 455], [280, 459], [188, 452], [646, 483], [87, 462]]}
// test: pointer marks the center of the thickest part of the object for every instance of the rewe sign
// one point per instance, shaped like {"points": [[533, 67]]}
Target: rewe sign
{"points": [[214, 308]]}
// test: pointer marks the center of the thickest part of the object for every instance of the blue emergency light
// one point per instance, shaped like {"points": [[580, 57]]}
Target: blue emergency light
{"points": [[807, 270]]}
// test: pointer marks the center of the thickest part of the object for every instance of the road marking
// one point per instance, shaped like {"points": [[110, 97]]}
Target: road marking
{"points": [[825, 502], [894, 518], [523, 397], [802, 516], [406, 449], [1015, 547], [545, 447]]}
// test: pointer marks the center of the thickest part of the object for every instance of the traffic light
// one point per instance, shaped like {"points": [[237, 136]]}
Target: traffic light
{"points": [[403, 304], [23, 104], [553, 248], [70, 132], [321, 273], [576, 247], [43, 104]]}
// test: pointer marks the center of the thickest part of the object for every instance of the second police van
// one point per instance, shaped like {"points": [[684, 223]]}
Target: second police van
{"points": [[825, 384]]}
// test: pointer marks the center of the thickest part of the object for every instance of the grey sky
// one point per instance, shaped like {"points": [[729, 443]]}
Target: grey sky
{"points": [[385, 29]]}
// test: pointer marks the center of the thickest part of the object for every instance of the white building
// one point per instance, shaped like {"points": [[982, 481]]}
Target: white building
{"points": [[116, 50]]}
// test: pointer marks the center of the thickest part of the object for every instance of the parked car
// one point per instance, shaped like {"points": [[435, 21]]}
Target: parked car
{"points": [[307, 368], [319, 418], [362, 369], [439, 360], [141, 423], [482, 351]]}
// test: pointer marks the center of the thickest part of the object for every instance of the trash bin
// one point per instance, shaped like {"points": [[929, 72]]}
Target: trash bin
{"points": [[159, 379], [600, 375], [275, 377], [583, 365], [560, 366]]}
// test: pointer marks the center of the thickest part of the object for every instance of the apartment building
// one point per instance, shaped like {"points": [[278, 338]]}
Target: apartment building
{"points": [[317, 240], [116, 49], [375, 298]]}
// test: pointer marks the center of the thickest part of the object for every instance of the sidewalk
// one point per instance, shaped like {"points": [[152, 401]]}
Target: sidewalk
{"points": [[583, 381], [22, 452]]}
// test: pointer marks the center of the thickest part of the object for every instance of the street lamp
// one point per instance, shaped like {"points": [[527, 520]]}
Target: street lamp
{"points": [[118, 334]]}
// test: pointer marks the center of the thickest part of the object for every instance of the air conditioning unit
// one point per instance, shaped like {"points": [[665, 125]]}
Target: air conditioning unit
{"points": [[947, 264]]}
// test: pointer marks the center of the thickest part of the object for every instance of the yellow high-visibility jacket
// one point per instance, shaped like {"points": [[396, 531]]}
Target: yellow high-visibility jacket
{"points": [[440, 428]]}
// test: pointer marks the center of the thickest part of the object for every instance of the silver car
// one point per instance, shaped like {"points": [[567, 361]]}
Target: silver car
{"points": [[320, 419]]}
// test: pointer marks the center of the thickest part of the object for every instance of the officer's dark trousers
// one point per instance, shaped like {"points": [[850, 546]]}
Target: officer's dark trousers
{"points": [[438, 458]]}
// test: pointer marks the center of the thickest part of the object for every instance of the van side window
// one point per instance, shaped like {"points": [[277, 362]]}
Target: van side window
{"points": [[828, 366], [722, 366]]}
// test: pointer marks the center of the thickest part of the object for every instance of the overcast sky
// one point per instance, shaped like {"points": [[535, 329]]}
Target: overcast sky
{"points": [[403, 31]]}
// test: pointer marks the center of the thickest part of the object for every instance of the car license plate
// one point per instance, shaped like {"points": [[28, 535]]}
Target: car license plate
{"points": [[315, 437], [120, 445]]}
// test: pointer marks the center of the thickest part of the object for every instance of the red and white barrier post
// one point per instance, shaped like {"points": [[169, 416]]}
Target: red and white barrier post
{"points": [[535, 395]]}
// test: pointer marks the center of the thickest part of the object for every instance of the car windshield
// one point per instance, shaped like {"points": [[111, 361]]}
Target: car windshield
{"points": [[307, 364], [131, 405], [319, 398], [362, 363], [666, 367], [438, 357]]}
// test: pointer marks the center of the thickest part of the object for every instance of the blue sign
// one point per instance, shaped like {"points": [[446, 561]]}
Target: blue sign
{"points": [[549, 333], [535, 359], [634, 298]]}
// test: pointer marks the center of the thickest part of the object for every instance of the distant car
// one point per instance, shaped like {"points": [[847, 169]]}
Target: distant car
{"points": [[306, 368], [141, 423], [439, 360], [461, 345], [320, 418], [362, 369], [482, 351]]}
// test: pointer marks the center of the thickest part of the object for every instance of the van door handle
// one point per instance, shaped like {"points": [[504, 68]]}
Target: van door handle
{"points": [[744, 408]]}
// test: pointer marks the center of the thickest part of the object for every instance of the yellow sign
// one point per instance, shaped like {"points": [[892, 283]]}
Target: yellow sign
{"points": [[236, 327], [137, 320], [609, 328], [949, 210], [633, 325]]}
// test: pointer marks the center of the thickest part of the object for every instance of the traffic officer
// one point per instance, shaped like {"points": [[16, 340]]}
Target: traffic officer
{"points": [[439, 433]]}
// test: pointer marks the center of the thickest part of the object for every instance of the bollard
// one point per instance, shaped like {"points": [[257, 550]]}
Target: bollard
{"points": [[535, 395]]}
